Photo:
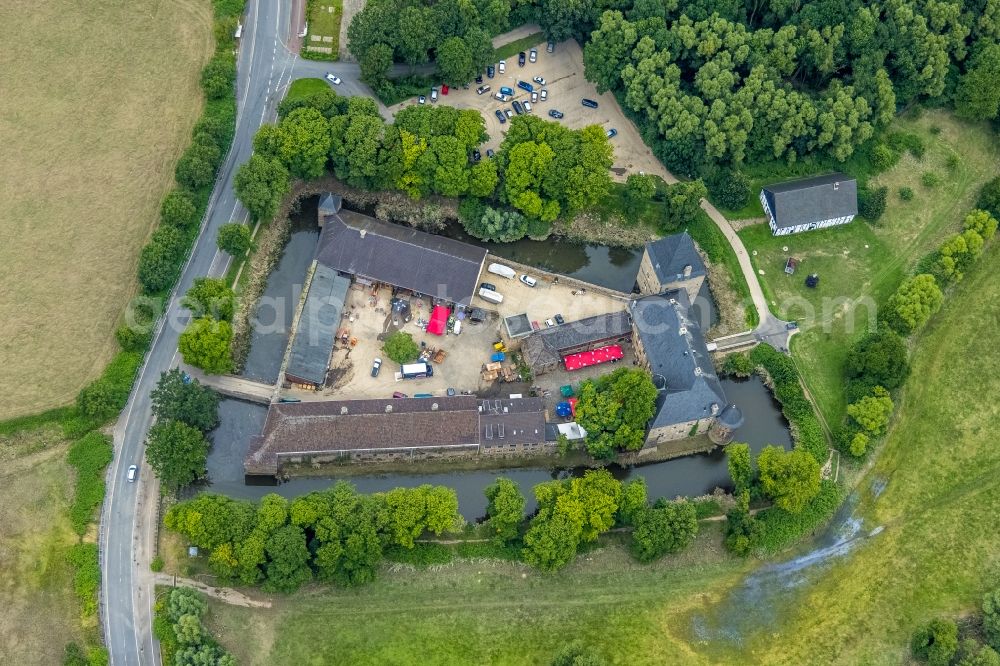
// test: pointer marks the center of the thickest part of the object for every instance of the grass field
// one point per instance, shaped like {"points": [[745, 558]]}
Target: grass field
{"points": [[40, 612], [98, 101], [324, 23], [306, 87], [859, 264], [524, 44]]}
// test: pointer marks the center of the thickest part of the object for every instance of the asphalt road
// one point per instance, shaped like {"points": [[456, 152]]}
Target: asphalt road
{"points": [[128, 522]]}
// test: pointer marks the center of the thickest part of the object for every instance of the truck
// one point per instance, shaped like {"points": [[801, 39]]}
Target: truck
{"points": [[416, 370], [503, 271], [491, 296]]}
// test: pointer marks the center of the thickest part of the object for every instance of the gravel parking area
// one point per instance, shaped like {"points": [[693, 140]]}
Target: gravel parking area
{"points": [[566, 86]]}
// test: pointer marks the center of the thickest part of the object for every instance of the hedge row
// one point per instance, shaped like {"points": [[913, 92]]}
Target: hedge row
{"points": [[90, 455], [87, 579], [806, 429]]}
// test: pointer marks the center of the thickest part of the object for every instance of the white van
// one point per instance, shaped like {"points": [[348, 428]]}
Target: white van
{"points": [[458, 327], [491, 296], [504, 271], [416, 370]]}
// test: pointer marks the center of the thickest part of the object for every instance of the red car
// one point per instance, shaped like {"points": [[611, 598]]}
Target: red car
{"points": [[444, 90]]}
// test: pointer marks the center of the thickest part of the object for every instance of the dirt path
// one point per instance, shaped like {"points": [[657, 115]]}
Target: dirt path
{"points": [[224, 594]]}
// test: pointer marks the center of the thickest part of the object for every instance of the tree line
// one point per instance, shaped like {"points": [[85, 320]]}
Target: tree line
{"points": [[941, 642], [541, 171], [178, 624]]}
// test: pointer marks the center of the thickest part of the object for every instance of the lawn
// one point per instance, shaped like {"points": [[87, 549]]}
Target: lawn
{"points": [[324, 29], [306, 87], [512, 49], [98, 102], [40, 612], [860, 265]]}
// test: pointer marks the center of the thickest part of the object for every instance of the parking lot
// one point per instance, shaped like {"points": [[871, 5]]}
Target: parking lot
{"points": [[566, 86]]}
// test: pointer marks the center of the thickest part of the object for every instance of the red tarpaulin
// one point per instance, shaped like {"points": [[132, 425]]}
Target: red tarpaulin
{"points": [[439, 320], [595, 357]]}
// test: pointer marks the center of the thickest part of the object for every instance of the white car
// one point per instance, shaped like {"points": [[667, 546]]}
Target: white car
{"points": [[543, 95], [527, 107], [434, 94], [333, 78], [502, 66], [132, 474], [528, 280], [539, 80]]}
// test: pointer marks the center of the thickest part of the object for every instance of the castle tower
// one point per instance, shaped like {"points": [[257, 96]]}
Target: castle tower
{"points": [[725, 424]]}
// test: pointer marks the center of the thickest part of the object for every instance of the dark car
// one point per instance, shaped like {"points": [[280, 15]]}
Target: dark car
{"points": [[477, 315], [488, 285], [518, 109], [500, 116], [588, 103], [506, 90], [520, 59], [398, 394], [559, 319], [491, 71], [482, 89], [524, 85], [479, 79], [555, 114], [376, 366], [612, 133], [550, 47], [490, 153], [476, 155]]}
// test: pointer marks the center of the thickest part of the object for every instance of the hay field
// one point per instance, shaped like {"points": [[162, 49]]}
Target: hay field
{"points": [[98, 102]]}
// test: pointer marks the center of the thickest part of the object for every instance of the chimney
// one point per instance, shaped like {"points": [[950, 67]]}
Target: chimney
{"points": [[343, 409], [715, 408], [687, 270], [836, 186], [682, 330], [363, 232], [388, 409], [434, 407], [697, 372]]}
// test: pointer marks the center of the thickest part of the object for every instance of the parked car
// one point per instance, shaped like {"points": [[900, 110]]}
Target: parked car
{"points": [[524, 85], [444, 89], [333, 78], [506, 90], [518, 109], [533, 55], [555, 114], [421, 99], [550, 47], [500, 116], [490, 153], [434, 94], [549, 323], [450, 392], [534, 96], [612, 133], [490, 71], [528, 280], [508, 113], [476, 155], [501, 97], [520, 59], [589, 103], [488, 285], [539, 80], [132, 474], [399, 394], [376, 366], [527, 107], [544, 94], [559, 319], [479, 79], [482, 89], [502, 66]]}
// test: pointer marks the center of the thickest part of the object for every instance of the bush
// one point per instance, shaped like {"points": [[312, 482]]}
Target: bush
{"points": [[218, 77], [663, 528], [234, 238], [991, 617], [400, 347], [884, 157], [205, 344], [872, 203], [930, 179], [422, 554], [90, 455], [776, 528], [87, 577], [161, 260], [906, 193], [156, 565], [178, 209], [107, 395], [989, 197], [738, 364], [729, 188], [909, 142], [936, 643]]}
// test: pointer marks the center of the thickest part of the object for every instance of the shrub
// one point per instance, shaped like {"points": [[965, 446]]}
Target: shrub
{"points": [[906, 193], [909, 142], [738, 364], [90, 455], [729, 188], [205, 344], [156, 565], [930, 179], [952, 162], [218, 77], [989, 197], [776, 528], [107, 395], [178, 209], [663, 528], [161, 260], [400, 347], [873, 202], [422, 554], [884, 157], [87, 576], [991, 617], [936, 643]]}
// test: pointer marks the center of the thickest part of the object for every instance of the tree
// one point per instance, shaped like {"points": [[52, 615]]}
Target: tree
{"points": [[872, 202], [639, 188], [400, 347], [160, 260], [219, 75], [730, 188], [872, 412], [205, 344], [740, 467], [454, 61], [178, 209], [972, 653], [551, 541], [663, 528], [234, 238], [505, 509], [913, 303], [790, 478], [878, 359], [375, 64], [977, 96], [483, 179], [196, 167], [936, 643], [177, 453], [182, 399], [683, 204], [982, 222], [633, 501], [991, 617], [989, 197], [288, 560], [260, 184], [302, 143], [615, 409], [210, 297], [497, 226]]}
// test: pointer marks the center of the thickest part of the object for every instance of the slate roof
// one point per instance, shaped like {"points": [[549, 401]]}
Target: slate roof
{"points": [[675, 349], [546, 346], [426, 263], [812, 199], [324, 427], [670, 255], [519, 420], [318, 324]]}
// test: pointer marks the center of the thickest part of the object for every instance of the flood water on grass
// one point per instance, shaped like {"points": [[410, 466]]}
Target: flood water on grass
{"points": [[688, 476]]}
